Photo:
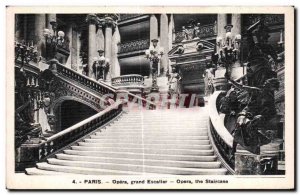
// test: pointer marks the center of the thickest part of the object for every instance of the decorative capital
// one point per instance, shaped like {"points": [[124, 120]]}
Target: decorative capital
{"points": [[92, 19], [108, 20]]}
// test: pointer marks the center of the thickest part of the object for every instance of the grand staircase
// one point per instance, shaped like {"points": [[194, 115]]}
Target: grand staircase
{"points": [[163, 142]]}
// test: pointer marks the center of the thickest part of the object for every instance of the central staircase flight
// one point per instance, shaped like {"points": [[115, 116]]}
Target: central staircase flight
{"points": [[164, 142]]}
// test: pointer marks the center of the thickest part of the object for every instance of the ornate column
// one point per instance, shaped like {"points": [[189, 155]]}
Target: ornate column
{"points": [[99, 38], [50, 18], [109, 21], [221, 24], [116, 71], [153, 27], [171, 31], [236, 30], [236, 22], [92, 20], [17, 27], [164, 41], [74, 48], [39, 26]]}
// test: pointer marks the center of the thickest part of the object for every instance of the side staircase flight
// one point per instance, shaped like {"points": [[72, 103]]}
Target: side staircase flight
{"points": [[164, 142]]}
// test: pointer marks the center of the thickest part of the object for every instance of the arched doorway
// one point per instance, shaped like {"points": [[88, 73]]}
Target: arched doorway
{"points": [[72, 112]]}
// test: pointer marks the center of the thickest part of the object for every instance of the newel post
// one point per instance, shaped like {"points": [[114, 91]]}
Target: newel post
{"points": [[265, 163]]}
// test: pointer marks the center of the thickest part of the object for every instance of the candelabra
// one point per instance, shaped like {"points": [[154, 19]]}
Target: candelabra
{"points": [[53, 40], [100, 66], [228, 49], [26, 53], [154, 53]]}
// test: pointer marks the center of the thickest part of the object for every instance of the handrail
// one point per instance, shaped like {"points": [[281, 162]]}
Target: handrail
{"points": [[217, 121], [241, 78], [104, 87], [75, 132], [84, 122], [97, 86], [221, 139]]}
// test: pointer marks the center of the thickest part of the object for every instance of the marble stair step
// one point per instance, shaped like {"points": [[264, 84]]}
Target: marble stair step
{"points": [[126, 145], [82, 170], [154, 130], [147, 137], [36, 171], [132, 155], [158, 127], [133, 124], [170, 133], [147, 141], [185, 142], [149, 162], [137, 168], [163, 119], [146, 150]]}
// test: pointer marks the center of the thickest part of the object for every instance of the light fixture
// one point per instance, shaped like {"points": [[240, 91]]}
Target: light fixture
{"points": [[53, 40], [154, 54]]}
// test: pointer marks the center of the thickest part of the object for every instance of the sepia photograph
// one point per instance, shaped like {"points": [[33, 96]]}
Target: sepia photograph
{"points": [[150, 98]]}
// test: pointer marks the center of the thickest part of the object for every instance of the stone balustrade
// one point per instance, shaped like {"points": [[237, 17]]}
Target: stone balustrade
{"points": [[84, 80], [45, 148], [221, 138], [204, 31], [125, 80]]}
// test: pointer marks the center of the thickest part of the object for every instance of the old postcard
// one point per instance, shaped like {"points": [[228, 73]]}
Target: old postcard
{"points": [[150, 98]]}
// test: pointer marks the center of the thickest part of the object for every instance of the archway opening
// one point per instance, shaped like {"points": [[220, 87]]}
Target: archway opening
{"points": [[72, 112]]}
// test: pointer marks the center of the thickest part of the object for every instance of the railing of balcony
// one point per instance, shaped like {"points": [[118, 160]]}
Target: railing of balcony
{"points": [[204, 31], [127, 80], [135, 45]]}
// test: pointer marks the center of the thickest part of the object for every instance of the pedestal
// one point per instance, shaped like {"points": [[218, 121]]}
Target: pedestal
{"points": [[247, 163]]}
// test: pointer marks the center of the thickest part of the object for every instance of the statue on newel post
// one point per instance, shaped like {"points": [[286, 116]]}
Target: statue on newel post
{"points": [[101, 66], [253, 105]]}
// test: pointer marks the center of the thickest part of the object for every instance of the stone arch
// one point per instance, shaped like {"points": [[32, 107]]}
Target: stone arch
{"points": [[60, 100], [57, 104]]}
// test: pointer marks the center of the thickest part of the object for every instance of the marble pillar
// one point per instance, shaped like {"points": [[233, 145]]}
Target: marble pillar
{"points": [[153, 27], [68, 35], [18, 27], [222, 22], [39, 26], [99, 38], [74, 48], [109, 26], [236, 22], [237, 70], [92, 20], [164, 42], [171, 39], [116, 39], [50, 18], [24, 35], [171, 31]]}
